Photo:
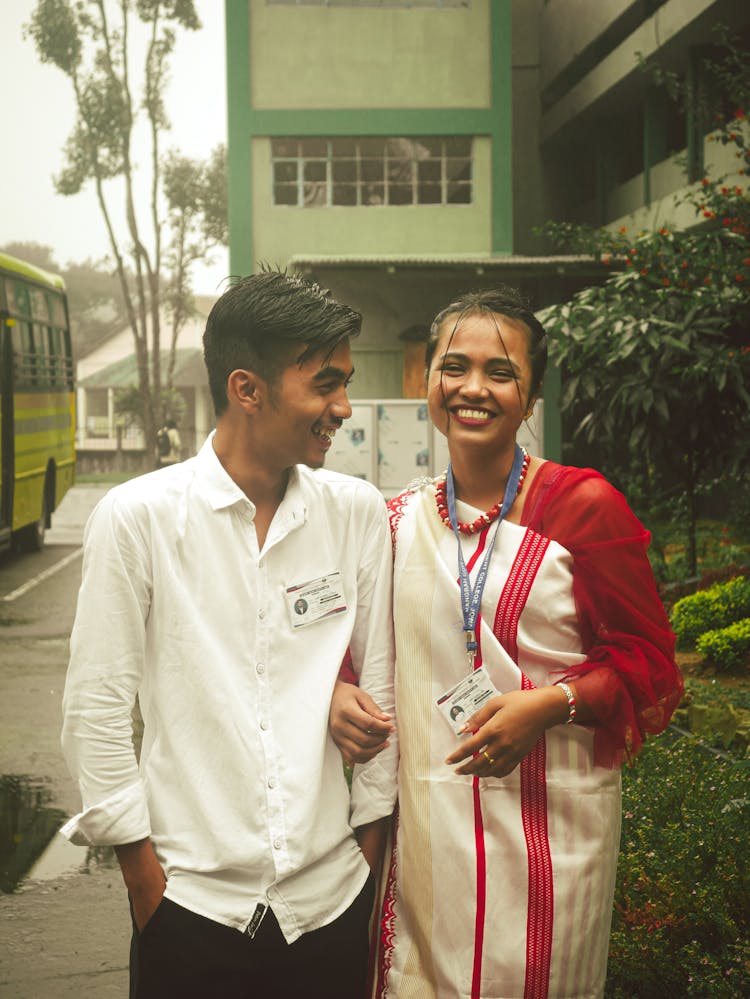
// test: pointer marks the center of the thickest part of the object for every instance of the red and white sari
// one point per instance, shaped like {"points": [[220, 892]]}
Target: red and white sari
{"points": [[500, 888]]}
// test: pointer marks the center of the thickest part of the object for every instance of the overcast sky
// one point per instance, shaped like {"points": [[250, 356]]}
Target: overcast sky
{"points": [[38, 116]]}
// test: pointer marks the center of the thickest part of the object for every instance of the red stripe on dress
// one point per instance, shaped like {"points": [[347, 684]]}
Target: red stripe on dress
{"points": [[533, 777], [479, 918], [481, 853], [388, 919]]}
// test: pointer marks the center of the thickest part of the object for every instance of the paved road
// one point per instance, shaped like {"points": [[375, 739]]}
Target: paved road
{"points": [[65, 933]]}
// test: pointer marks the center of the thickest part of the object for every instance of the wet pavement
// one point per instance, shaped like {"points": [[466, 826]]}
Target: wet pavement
{"points": [[66, 927]]}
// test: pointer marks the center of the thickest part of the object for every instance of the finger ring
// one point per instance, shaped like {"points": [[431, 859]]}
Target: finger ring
{"points": [[488, 758]]}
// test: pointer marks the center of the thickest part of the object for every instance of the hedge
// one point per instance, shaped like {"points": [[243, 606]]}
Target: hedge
{"points": [[681, 925], [720, 605], [727, 647]]}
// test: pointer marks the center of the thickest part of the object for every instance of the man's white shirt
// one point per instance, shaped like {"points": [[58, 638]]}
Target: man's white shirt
{"points": [[239, 786]]}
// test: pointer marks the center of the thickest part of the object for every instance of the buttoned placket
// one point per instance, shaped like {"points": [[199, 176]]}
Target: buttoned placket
{"points": [[269, 616]]}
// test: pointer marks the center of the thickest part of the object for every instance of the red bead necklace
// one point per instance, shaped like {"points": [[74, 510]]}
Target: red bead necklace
{"points": [[483, 519]]}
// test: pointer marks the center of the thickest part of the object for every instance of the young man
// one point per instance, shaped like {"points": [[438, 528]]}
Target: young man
{"points": [[233, 833]]}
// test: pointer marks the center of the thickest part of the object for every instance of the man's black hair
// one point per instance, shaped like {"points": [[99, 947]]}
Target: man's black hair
{"points": [[260, 320]]}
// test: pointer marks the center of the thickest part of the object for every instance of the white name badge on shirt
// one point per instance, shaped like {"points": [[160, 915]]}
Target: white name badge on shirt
{"points": [[315, 600], [459, 703]]}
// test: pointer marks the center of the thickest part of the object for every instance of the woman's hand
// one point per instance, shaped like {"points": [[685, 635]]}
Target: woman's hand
{"points": [[506, 729], [358, 726]]}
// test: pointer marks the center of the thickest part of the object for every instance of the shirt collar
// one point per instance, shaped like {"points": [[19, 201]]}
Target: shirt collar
{"points": [[222, 491]]}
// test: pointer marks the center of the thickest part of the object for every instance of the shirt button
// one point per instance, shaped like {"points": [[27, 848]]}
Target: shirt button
{"points": [[272, 782], [264, 724], [260, 669], [261, 614], [277, 844]]}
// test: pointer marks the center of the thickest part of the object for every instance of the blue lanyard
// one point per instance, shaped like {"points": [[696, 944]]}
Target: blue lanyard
{"points": [[471, 599]]}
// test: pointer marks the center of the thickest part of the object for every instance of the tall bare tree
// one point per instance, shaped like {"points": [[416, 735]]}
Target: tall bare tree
{"points": [[91, 42]]}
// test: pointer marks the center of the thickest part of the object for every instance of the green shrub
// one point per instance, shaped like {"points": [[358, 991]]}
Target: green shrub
{"points": [[718, 606], [681, 925], [726, 647]]}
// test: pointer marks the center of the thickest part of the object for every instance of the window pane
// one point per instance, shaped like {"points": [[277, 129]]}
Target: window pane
{"points": [[371, 169], [314, 170], [22, 299], [458, 145], [58, 312], [399, 171], [429, 170], [310, 148], [373, 194], [285, 172], [345, 194], [345, 170], [344, 147], [285, 194], [399, 148], [428, 147], [459, 193], [429, 194], [399, 194], [372, 146], [39, 307], [458, 169], [283, 147], [315, 193]]}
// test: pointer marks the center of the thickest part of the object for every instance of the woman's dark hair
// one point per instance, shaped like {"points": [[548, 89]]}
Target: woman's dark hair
{"points": [[503, 301], [260, 319]]}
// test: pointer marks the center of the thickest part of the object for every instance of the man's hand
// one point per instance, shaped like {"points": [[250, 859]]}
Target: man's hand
{"points": [[143, 878], [358, 726]]}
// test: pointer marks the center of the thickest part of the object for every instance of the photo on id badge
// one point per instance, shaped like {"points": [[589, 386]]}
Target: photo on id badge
{"points": [[315, 599], [459, 703]]}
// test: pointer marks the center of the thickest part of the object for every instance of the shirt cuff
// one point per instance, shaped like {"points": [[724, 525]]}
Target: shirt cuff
{"points": [[121, 818], [373, 793]]}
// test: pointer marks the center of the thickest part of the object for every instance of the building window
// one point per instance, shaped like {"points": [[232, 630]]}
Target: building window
{"points": [[372, 171], [372, 3]]}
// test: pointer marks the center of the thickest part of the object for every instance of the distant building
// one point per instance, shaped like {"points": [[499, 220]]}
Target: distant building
{"points": [[101, 437], [401, 151]]}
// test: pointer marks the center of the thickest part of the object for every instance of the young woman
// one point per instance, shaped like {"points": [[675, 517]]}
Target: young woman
{"points": [[532, 657]]}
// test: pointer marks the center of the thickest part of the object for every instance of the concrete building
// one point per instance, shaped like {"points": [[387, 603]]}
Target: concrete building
{"points": [[402, 151]]}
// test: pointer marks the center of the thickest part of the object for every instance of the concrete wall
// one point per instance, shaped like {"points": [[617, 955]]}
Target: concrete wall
{"points": [[568, 27], [530, 206], [370, 57]]}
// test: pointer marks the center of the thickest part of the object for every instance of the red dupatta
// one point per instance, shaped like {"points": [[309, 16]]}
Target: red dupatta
{"points": [[633, 684]]}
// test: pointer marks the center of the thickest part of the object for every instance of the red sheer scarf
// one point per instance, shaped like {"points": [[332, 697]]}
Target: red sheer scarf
{"points": [[632, 682]]}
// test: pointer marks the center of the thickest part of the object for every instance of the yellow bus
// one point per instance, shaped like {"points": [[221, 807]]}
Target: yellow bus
{"points": [[37, 402]]}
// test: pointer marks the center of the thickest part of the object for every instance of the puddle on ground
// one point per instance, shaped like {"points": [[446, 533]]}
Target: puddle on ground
{"points": [[30, 845]]}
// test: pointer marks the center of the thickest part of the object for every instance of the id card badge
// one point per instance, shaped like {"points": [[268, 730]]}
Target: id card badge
{"points": [[315, 600], [459, 703]]}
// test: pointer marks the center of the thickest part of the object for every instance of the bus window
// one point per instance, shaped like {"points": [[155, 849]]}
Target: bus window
{"points": [[23, 305], [55, 351], [44, 357], [25, 355], [39, 305], [58, 312]]}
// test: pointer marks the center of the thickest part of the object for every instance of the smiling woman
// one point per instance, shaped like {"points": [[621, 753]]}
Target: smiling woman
{"points": [[523, 598]]}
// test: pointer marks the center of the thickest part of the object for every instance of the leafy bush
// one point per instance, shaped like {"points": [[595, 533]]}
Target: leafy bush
{"points": [[726, 647], [716, 607], [708, 713], [681, 923]]}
